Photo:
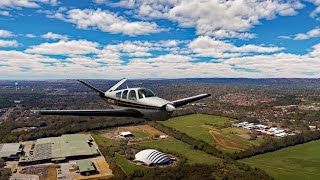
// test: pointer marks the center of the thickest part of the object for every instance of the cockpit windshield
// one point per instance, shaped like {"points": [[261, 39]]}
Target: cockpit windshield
{"points": [[145, 93]]}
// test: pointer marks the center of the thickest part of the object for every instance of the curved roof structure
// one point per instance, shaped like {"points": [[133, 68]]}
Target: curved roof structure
{"points": [[152, 156]]}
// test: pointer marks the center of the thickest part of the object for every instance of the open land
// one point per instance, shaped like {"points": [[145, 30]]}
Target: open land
{"points": [[297, 162]]}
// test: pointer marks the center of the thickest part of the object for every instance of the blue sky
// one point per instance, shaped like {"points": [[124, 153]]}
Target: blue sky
{"points": [[53, 39]]}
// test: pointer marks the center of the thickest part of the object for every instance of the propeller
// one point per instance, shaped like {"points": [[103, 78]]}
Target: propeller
{"points": [[170, 107]]}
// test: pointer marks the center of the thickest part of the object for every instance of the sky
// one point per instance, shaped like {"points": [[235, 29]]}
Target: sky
{"points": [[108, 39]]}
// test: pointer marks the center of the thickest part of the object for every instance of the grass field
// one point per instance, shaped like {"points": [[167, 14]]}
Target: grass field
{"points": [[297, 162], [171, 144], [105, 142], [127, 166], [211, 129]]}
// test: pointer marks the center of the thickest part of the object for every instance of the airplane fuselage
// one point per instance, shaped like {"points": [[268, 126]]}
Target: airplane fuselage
{"points": [[140, 99]]}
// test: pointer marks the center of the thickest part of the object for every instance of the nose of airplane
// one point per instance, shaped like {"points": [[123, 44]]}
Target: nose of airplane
{"points": [[170, 107]]}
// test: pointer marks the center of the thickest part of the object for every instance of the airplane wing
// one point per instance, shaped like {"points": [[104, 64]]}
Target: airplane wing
{"points": [[102, 112], [184, 101]]}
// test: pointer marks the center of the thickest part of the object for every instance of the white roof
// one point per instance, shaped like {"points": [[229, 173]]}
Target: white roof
{"points": [[125, 133], [152, 156]]}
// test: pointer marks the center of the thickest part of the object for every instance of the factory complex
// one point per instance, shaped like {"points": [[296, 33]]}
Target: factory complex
{"points": [[70, 156]]}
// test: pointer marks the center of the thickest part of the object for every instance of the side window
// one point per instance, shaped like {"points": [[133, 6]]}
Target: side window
{"points": [[124, 94], [140, 94], [132, 95], [118, 95]]}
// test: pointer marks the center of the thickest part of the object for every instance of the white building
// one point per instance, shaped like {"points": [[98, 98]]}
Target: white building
{"points": [[126, 134], [152, 157]]}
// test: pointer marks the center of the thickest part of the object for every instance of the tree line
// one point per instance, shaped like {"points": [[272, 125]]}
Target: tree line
{"points": [[272, 144]]}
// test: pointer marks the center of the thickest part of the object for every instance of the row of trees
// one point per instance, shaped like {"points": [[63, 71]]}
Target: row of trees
{"points": [[271, 144], [56, 126]]}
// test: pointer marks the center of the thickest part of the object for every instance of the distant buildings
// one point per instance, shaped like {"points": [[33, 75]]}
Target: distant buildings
{"points": [[262, 129]]}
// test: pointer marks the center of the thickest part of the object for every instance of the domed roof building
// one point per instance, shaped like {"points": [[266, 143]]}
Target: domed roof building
{"points": [[153, 157]]}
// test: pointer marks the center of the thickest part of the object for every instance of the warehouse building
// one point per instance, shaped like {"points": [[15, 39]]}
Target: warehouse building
{"points": [[58, 149], [86, 167], [153, 157], [10, 151]]}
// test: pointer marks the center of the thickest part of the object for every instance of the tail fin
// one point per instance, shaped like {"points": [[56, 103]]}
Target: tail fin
{"points": [[101, 93], [117, 85]]}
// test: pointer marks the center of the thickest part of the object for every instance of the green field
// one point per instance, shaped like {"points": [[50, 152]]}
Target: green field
{"points": [[127, 166], [105, 142], [171, 144], [199, 125], [297, 162]]}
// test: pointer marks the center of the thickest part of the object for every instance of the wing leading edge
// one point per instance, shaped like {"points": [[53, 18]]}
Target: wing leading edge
{"points": [[184, 101], [102, 112]]}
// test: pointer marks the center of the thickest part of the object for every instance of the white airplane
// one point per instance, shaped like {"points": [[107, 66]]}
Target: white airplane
{"points": [[129, 102]]}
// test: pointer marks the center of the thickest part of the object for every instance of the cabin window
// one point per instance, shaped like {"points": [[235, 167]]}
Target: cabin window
{"points": [[145, 93], [124, 94], [118, 95], [132, 95]]}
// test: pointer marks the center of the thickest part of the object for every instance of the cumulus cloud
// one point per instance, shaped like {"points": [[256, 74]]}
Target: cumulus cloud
{"points": [[209, 47], [5, 33], [105, 21], [310, 34], [5, 43], [25, 3], [54, 36], [74, 47], [315, 12], [221, 19]]}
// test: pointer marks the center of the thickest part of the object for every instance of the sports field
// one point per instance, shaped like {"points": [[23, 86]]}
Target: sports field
{"points": [[211, 129], [171, 144], [297, 162]]}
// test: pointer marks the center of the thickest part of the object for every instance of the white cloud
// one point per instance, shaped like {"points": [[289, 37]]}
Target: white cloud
{"points": [[4, 13], [4, 43], [315, 51], [206, 46], [54, 36], [25, 3], [284, 37], [74, 47], [5, 33], [310, 34], [315, 12], [30, 36], [106, 21], [221, 19]]}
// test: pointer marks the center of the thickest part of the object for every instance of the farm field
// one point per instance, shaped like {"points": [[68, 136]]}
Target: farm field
{"points": [[211, 129], [174, 145], [127, 166], [297, 162]]}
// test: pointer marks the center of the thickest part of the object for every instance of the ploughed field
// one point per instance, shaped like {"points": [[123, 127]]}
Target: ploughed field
{"points": [[296, 162]]}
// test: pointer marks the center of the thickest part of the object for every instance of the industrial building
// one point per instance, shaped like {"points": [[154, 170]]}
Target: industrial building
{"points": [[86, 167], [10, 151], [58, 149], [152, 157]]}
